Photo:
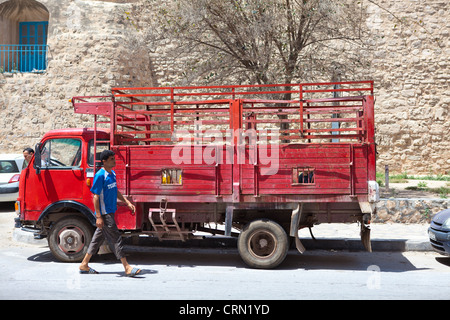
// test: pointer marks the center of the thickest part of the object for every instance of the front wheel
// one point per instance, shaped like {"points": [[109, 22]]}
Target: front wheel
{"points": [[263, 244], [69, 239]]}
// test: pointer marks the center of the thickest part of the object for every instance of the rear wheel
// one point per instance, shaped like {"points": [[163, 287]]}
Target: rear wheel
{"points": [[69, 239], [263, 244]]}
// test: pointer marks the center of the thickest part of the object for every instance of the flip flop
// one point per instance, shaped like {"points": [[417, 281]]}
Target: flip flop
{"points": [[134, 272], [91, 271]]}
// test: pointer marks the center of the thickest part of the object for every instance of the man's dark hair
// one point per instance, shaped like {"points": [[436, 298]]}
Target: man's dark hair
{"points": [[105, 155], [29, 150]]}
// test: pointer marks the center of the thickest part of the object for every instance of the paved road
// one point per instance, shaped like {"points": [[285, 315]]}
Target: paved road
{"points": [[30, 272]]}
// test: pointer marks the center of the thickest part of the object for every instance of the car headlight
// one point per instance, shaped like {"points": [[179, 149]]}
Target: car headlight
{"points": [[446, 224]]}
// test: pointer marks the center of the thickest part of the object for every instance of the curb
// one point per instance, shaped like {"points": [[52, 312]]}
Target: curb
{"points": [[227, 245], [378, 245], [224, 245], [20, 235]]}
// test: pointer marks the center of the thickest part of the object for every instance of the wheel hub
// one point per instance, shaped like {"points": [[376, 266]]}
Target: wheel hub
{"points": [[71, 239], [262, 244]]}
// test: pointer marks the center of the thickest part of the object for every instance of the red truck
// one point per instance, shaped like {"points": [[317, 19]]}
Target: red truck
{"points": [[266, 160]]}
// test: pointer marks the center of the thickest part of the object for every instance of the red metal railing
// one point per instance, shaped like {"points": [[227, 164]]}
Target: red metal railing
{"points": [[294, 113]]}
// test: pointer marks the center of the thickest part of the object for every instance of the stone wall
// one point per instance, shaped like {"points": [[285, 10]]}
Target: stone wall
{"points": [[410, 67], [94, 46], [91, 50], [409, 210]]}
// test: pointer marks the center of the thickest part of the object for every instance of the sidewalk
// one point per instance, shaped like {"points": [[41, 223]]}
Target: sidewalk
{"points": [[384, 237], [334, 236], [337, 236]]}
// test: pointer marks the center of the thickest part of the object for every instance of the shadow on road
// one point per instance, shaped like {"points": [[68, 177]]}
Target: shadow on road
{"points": [[444, 260], [7, 206], [310, 260]]}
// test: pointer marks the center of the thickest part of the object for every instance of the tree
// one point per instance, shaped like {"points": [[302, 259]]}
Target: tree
{"points": [[265, 41], [259, 41]]}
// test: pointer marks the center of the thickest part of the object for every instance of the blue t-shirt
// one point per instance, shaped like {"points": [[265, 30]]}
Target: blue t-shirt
{"points": [[106, 187]]}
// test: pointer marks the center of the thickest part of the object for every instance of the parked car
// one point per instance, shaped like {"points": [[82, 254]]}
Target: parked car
{"points": [[10, 168], [439, 232]]}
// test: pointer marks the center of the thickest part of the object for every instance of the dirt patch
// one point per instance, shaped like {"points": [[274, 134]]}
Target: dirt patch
{"points": [[426, 189]]}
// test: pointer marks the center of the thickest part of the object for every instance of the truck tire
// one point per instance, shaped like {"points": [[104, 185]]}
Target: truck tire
{"points": [[69, 238], [263, 244]]}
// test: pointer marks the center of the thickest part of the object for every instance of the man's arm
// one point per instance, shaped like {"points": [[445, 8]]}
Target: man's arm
{"points": [[99, 222], [129, 204]]}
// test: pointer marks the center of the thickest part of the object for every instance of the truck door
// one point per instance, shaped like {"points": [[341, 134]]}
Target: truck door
{"points": [[61, 172]]}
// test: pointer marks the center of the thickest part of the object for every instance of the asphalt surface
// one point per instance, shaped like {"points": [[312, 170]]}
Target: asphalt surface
{"points": [[32, 273]]}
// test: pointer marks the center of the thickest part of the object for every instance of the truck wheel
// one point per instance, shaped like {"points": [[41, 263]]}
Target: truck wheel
{"points": [[263, 244], [69, 239]]}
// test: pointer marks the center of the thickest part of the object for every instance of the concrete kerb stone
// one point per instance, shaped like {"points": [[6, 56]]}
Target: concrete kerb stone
{"points": [[222, 245], [228, 245]]}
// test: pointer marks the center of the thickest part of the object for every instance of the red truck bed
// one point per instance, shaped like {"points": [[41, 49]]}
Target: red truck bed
{"points": [[204, 125]]}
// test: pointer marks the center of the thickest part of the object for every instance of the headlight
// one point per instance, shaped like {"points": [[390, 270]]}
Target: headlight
{"points": [[446, 224]]}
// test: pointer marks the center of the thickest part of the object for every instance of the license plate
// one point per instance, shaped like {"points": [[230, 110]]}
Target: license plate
{"points": [[432, 235]]}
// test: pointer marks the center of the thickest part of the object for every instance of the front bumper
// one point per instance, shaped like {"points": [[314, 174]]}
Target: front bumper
{"points": [[439, 239], [9, 192]]}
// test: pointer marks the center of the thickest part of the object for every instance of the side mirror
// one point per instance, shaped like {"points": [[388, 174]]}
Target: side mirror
{"points": [[37, 158]]}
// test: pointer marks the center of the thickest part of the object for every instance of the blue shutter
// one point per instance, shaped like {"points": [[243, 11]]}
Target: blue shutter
{"points": [[33, 45]]}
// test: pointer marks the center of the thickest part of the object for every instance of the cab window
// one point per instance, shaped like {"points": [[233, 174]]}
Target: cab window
{"points": [[101, 145], [61, 153]]}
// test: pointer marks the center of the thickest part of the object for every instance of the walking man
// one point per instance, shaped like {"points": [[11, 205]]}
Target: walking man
{"points": [[106, 194]]}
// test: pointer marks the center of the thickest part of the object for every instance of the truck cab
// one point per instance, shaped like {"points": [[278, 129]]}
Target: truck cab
{"points": [[54, 193]]}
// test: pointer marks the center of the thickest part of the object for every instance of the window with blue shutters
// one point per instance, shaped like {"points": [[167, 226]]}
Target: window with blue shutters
{"points": [[23, 36], [33, 46], [30, 55]]}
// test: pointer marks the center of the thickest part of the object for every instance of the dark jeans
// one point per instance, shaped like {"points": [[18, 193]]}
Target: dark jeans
{"points": [[111, 233]]}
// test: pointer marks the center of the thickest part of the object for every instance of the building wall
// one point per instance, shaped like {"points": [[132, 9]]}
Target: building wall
{"points": [[410, 67], [90, 51], [9, 22], [94, 46]]}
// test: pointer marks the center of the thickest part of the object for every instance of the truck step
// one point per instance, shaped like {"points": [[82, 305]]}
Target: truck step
{"points": [[164, 228]]}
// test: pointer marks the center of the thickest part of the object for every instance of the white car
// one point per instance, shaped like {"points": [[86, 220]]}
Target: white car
{"points": [[10, 168]]}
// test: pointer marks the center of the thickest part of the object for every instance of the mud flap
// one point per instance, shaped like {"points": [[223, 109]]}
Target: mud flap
{"points": [[295, 222], [367, 209], [365, 237]]}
